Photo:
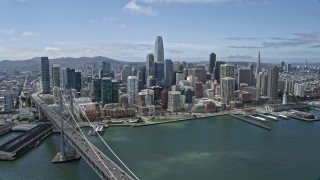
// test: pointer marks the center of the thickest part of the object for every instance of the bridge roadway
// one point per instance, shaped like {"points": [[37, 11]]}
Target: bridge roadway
{"points": [[108, 171]]}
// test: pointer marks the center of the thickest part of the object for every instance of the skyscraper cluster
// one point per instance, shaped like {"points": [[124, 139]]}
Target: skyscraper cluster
{"points": [[164, 83]]}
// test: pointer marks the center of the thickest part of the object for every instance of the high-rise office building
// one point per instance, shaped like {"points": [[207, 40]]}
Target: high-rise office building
{"points": [[179, 77], [255, 92], [273, 76], [217, 70], [134, 71], [8, 102], [227, 70], [168, 73], [289, 87], [212, 62], [71, 79], [176, 66], [284, 98], [258, 68], [150, 65], [96, 90], [227, 89], [264, 85], [281, 85], [141, 74], [77, 81], [174, 101], [198, 90], [282, 65], [56, 75], [288, 68], [65, 78], [244, 76], [106, 69], [250, 66], [299, 89], [114, 91], [125, 73], [199, 72], [109, 91], [159, 50], [132, 88], [192, 79], [164, 99], [45, 76], [159, 73]]}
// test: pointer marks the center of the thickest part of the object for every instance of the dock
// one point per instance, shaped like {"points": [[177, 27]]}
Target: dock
{"points": [[301, 116], [22, 143], [256, 123], [23, 127], [6, 128], [179, 120]]}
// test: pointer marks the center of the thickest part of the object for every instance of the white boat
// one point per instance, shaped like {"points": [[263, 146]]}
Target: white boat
{"points": [[258, 118], [100, 130]]}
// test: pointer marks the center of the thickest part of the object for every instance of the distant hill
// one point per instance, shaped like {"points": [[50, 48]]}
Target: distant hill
{"points": [[85, 62], [34, 63]]}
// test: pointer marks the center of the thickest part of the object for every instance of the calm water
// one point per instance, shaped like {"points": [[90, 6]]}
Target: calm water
{"points": [[214, 148]]}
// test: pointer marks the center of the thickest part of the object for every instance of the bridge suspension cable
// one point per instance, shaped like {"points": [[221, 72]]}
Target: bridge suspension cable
{"points": [[87, 139], [109, 146]]}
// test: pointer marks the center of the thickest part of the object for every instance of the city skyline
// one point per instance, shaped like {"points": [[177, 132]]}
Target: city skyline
{"points": [[125, 29]]}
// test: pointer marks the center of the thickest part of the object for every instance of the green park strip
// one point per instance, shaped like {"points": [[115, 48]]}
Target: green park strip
{"points": [[159, 119]]}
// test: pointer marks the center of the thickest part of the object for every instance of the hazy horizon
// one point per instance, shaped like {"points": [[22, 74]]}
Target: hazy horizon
{"points": [[203, 59]]}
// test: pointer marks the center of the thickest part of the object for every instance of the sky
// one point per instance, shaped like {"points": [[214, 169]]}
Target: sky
{"points": [[191, 29]]}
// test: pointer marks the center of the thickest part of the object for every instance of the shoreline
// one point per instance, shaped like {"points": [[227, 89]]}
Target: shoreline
{"points": [[178, 120]]}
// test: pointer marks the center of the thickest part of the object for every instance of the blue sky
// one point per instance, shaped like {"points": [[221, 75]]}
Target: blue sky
{"points": [[191, 29]]}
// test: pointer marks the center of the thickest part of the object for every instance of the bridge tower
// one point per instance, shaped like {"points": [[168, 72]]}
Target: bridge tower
{"points": [[67, 153]]}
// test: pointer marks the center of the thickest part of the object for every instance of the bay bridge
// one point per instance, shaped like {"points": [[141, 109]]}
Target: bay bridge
{"points": [[97, 160]]}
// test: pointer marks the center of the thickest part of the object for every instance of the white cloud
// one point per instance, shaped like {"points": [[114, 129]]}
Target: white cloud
{"points": [[109, 19], [146, 6], [29, 34], [134, 7], [123, 26], [9, 31], [14, 39], [52, 49]]}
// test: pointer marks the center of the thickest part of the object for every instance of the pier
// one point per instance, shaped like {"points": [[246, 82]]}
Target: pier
{"points": [[179, 120], [23, 127], [6, 128], [256, 123], [303, 116], [20, 144]]}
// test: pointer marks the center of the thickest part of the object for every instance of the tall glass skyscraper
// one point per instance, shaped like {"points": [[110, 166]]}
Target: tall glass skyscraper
{"points": [[159, 50], [168, 73], [273, 76], [212, 62], [45, 76], [56, 75], [149, 65], [77, 81], [109, 91], [132, 88], [96, 90], [106, 69]]}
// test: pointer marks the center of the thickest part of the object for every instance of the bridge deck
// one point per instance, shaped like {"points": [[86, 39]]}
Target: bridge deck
{"points": [[105, 167]]}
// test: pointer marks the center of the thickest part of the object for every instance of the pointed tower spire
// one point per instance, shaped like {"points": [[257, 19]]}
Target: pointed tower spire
{"points": [[258, 67]]}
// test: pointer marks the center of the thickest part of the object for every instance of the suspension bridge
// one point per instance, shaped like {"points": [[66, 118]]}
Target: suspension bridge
{"points": [[68, 128]]}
